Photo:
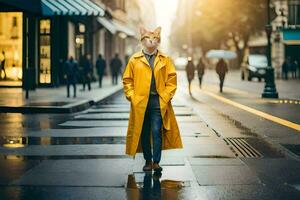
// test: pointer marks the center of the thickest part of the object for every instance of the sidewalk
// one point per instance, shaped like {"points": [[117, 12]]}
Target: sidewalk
{"points": [[54, 100], [275, 121], [287, 89]]}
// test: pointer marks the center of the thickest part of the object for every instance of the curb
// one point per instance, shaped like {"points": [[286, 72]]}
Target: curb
{"points": [[70, 108]]}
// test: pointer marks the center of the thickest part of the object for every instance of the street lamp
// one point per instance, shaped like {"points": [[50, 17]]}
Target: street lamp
{"points": [[270, 87]]}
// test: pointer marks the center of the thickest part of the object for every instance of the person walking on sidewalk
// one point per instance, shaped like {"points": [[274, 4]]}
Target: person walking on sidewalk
{"points": [[190, 72], [87, 71], [71, 73], [285, 68], [221, 70], [294, 69], [200, 70], [115, 68], [100, 65], [150, 82]]}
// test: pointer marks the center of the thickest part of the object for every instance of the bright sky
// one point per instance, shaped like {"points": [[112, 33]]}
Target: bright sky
{"points": [[165, 13]]}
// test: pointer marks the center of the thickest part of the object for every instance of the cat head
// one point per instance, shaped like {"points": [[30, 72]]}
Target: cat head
{"points": [[150, 39]]}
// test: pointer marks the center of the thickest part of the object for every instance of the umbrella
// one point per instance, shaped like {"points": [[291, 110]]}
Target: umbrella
{"points": [[221, 54]]}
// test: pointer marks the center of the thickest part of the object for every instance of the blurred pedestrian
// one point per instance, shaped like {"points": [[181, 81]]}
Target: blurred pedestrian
{"points": [[221, 70], [294, 69], [115, 68], [100, 65], [200, 70], [190, 72], [285, 68], [71, 73], [87, 71], [2, 65]]}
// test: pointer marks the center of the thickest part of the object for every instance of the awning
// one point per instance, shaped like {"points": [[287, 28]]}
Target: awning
{"points": [[108, 24], [114, 26], [291, 37], [71, 7], [122, 28]]}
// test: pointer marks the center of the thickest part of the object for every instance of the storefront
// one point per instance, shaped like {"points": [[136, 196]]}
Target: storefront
{"points": [[11, 38], [34, 44], [291, 40]]}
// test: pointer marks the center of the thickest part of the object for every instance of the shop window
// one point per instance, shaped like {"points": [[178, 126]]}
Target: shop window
{"points": [[45, 51], [11, 48]]}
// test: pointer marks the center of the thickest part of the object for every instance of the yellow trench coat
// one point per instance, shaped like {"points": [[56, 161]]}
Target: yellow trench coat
{"points": [[136, 83]]}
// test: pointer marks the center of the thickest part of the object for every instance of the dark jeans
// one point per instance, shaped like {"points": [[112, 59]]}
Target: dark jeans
{"points": [[115, 79], [221, 77], [200, 80], [86, 80], [100, 79], [69, 83], [152, 122]]}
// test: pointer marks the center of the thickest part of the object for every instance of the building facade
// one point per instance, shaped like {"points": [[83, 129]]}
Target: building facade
{"points": [[36, 39], [286, 32]]}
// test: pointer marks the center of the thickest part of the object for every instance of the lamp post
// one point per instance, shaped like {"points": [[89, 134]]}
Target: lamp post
{"points": [[270, 87]]}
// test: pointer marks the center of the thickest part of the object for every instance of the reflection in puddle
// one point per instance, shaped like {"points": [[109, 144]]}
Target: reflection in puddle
{"points": [[17, 142], [13, 142], [151, 187]]}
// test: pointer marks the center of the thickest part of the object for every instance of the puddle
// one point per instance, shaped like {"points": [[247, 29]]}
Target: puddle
{"points": [[148, 179], [19, 142]]}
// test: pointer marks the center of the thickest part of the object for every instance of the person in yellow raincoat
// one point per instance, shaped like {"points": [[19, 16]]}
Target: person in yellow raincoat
{"points": [[150, 82]]}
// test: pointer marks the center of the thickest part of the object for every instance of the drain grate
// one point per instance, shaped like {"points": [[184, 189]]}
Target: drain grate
{"points": [[242, 148]]}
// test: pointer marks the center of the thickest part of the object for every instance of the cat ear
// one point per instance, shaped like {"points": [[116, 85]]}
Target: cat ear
{"points": [[157, 30], [142, 30]]}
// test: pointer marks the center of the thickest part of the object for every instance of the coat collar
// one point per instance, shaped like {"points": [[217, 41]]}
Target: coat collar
{"points": [[141, 56]]}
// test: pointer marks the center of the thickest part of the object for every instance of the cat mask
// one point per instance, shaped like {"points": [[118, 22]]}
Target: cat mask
{"points": [[149, 39]]}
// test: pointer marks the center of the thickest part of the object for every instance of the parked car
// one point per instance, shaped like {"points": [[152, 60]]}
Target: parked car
{"points": [[180, 62], [255, 67]]}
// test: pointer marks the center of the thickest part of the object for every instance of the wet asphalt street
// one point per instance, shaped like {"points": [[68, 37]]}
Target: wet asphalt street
{"points": [[81, 156]]}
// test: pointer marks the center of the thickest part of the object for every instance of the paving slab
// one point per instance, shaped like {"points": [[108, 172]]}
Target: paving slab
{"points": [[215, 161], [67, 150], [61, 193], [95, 123], [202, 140], [247, 192], [208, 150], [82, 132], [195, 128], [224, 175], [125, 116], [96, 172], [280, 170], [13, 169]]}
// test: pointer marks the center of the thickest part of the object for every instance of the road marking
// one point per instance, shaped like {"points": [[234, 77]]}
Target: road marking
{"points": [[254, 111]]}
